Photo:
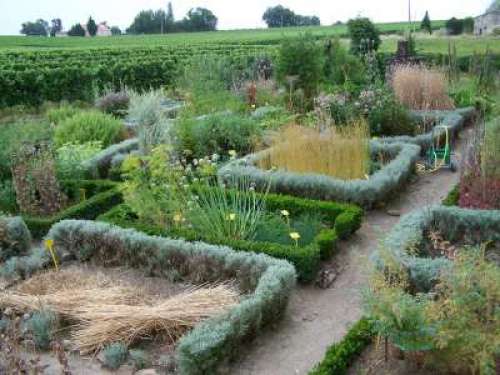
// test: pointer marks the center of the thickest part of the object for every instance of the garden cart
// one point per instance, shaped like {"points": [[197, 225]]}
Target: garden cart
{"points": [[440, 153]]}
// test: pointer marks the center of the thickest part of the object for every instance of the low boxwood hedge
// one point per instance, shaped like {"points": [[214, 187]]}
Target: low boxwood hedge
{"points": [[455, 224], [454, 120], [341, 355], [265, 281], [101, 196], [342, 219], [379, 187]]}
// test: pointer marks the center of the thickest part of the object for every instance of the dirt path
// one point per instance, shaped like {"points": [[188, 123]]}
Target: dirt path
{"points": [[316, 318]]}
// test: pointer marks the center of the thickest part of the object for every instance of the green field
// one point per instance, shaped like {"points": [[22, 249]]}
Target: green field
{"points": [[255, 36]]}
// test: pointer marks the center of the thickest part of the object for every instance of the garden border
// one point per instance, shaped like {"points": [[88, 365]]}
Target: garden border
{"points": [[344, 220], [477, 225], [341, 355], [106, 194], [362, 192], [454, 119], [269, 282]]}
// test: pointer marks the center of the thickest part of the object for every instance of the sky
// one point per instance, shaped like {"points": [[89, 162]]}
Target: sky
{"points": [[232, 14]]}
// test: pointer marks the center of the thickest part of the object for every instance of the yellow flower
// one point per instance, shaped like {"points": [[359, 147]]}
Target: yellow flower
{"points": [[253, 106], [178, 218], [49, 244], [295, 236], [231, 217], [232, 153], [285, 213]]}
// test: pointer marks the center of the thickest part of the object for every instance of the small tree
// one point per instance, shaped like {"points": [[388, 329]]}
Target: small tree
{"points": [[56, 26], [426, 23], [454, 26], [468, 24], [76, 30], [38, 28], [364, 36], [91, 27], [115, 30], [300, 65]]}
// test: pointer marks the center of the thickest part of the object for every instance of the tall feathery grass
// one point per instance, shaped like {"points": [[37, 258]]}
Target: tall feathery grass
{"points": [[341, 152], [421, 88]]}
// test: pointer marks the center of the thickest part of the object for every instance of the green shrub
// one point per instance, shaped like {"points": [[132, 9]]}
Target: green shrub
{"points": [[42, 326], [8, 202], [390, 118], [15, 238], [70, 159], [341, 355], [300, 66], [342, 68], [140, 359], [114, 103], [89, 126], [216, 134], [13, 135], [61, 113], [115, 355], [364, 35], [453, 197]]}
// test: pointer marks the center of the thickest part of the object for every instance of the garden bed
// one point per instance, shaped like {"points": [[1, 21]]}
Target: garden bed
{"points": [[455, 121], [409, 240], [265, 282], [331, 222], [91, 198], [379, 187]]}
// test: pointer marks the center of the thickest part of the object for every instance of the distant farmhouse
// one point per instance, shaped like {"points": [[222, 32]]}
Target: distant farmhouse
{"points": [[489, 22], [102, 30]]}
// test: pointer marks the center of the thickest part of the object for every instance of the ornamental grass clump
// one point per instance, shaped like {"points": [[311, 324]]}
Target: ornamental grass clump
{"points": [[421, 88], [340, 152]]}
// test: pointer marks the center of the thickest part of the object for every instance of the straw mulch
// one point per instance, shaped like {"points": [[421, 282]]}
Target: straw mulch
{"points": [[103, 312]]}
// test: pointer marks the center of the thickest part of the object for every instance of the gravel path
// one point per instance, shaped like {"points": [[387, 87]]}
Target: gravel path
{"points": [[316, 318]]}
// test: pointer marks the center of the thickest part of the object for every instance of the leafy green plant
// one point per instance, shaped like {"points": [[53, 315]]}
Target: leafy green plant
{"points": [[89, 126], [61, 113], [234, 212], [14, 134], [300, 66], [70, 158], [342, 68], [42, 326], [364, 35], [216, 134], [150, 121], [7, 197], [115, 355]]}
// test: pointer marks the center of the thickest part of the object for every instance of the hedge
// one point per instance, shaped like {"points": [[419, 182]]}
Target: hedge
{"points": [[473, 226], [342, 219], [101, 197], [266, 283], [341, 355], [381, 185], [455, 120], [99, 166], [15, 238]]}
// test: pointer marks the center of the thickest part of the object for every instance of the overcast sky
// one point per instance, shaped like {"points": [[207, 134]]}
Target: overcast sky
{"points": [[232, 14]]}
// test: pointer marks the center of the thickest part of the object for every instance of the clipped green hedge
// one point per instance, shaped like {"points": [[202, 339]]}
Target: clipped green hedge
{"points": [[265, 281], [455, 224], [453, 197], [15, 238], [381, 185], [101, 197], [455, 120], [343, 220], [341, 355]]}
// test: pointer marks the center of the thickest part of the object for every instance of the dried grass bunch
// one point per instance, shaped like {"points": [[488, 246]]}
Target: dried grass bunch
{"points": [[421, 88], [105, 311], [341, 152]]}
